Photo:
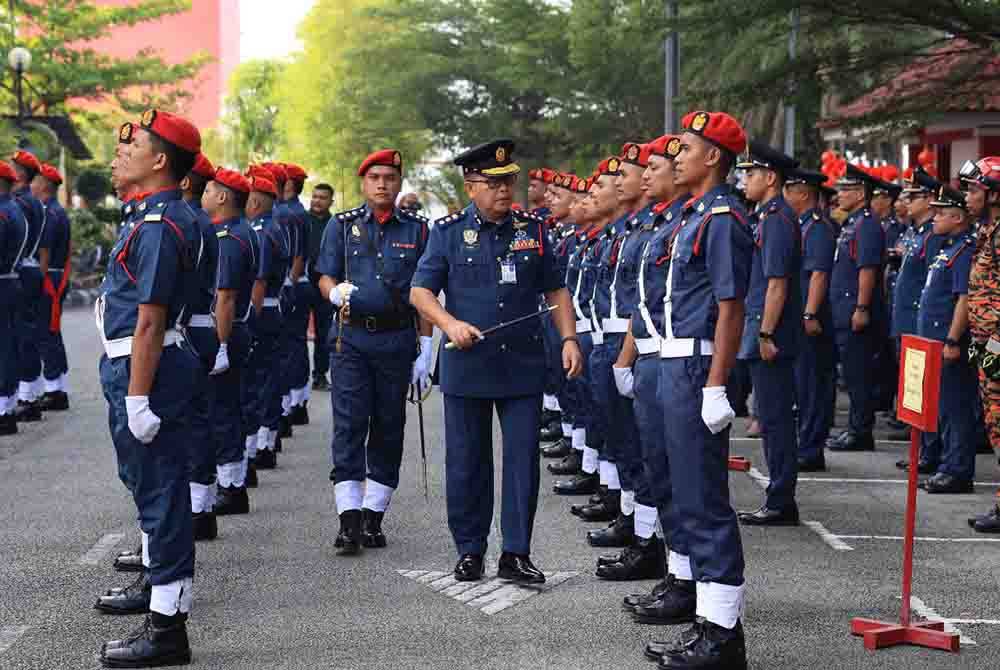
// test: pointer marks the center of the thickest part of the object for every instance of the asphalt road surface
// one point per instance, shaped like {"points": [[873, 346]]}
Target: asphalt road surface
{"points": [[270, 593]]}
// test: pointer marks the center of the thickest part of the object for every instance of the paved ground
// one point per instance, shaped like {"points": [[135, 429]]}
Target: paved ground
{"points": [[271, 594]]}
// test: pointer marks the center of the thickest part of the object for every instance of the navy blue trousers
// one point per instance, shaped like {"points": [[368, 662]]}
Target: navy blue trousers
{"points": [[368, 395], [774, 400], [157, 473], [10, 371], [576, 398], [322, 311], [700, 478], [815, 389], [857, 359], [957, 419], [29, 328], [262, 389], [294, 347], [555, 376], [52, 348], [469, 470], [621, 443]]}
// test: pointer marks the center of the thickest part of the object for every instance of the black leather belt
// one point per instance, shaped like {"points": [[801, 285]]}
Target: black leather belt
{"points": [[380, 323]]}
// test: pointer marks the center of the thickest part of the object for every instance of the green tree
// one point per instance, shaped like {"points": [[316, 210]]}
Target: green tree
{"points": [[252, 111]]}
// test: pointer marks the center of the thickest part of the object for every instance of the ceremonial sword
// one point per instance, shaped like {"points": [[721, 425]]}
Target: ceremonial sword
{"points": [[507, 324]]}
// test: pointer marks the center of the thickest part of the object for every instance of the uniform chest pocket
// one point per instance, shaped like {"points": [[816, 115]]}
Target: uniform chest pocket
{"points": [[470, 269], [400, 263], [528, 264]]}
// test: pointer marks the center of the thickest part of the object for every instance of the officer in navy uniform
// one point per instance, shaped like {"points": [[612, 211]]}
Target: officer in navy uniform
{"points": [[297, 355], [239, 291], [368, 258], [317, 219], [711, 254], [858, 310], [148, 377], [13, 240], [943, 316], [54, 264], [773, 328], [883, 204], [29, 326], [492, 263], [815, 366]]}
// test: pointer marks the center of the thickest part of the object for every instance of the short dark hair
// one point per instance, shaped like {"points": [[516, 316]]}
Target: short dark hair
{"points": [[238, 198], [198, 184], [180, 161], [28, 172], [299, 184], [324, 187]]}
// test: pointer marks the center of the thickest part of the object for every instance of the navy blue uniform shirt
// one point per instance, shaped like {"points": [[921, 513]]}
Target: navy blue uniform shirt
{"points": [[819, 244], [56, 234], [204, 290], [920, 246], [861, 244], [629, 255], [947, 281], [614, 236], [34, 214], [239, 262], [274, 253], [654, 263], [13, 235]]}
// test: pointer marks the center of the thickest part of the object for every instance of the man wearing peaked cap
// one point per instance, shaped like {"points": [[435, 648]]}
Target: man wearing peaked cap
{"points": [[702, 334], [148, 379], [773, 327], [815, 366], [858, 306], [54, 250], [943, 316], [504, 371], [239, 289], [367, 262], [13, 240], [29, 330]]}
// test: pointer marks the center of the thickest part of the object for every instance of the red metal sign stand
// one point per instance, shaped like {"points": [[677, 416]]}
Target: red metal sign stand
{"points": [[879, 634]]}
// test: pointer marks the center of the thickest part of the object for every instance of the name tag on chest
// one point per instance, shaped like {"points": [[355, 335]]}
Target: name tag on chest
{"points": [[508, 271]]}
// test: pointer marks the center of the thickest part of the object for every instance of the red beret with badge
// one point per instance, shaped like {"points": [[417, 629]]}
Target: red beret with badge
{"points": [[548, 175], [203, 167], [125, 132], [719, 128], [278, 173], [385, 158], [263, 185], [667, 146], [173, 129], [294, 172], [609, 167], [636, 154], [260, 171], [234, 180], [26, 159], [51, 173], [7, 172]]}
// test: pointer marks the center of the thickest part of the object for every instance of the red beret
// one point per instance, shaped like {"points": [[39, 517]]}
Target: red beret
{"points": [[260, 171], [263, 185], [125, 132], [27, 159], [548, 176], [51, 173], [203, 167], [636, 154], [609, 167], [232, 179], [278, 173], [294, 172], [667, 146], [7, 172], [386, 157], [536, 174], [173, 129], [582, 185], [719, 128]]}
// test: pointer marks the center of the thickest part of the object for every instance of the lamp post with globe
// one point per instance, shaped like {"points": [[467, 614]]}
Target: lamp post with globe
{"points": [[19, 60]]}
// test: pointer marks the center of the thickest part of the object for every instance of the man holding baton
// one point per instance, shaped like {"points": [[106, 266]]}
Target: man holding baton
{"points": [[492, 263]]}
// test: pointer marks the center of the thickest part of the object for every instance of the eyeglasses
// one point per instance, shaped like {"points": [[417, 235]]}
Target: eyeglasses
{"points": [[494, 183]]}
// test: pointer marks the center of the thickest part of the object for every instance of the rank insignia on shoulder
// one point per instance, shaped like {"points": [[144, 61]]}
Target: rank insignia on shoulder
{"points": [[355, 230], [153, 217], [724, 209], [815, 216], [701, 207], [142, 206], [222, 233], [670, 216]]}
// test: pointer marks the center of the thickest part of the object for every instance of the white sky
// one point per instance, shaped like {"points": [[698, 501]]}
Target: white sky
{"points": [[267, 30]]}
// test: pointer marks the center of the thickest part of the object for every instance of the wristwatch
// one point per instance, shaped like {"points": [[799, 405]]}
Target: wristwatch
{"points": [[948, 342], [861, 308], [571, 338], [762, 335]]}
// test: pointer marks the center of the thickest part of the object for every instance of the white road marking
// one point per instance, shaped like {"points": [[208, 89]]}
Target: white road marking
{"points": [[919, 539], [834, 541], [921, 609], [764, 480], [974, 622], [100, 550], [488, 597], [9, 635]]}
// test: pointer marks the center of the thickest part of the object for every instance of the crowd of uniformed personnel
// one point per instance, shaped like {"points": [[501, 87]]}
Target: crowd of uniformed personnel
{"points": [[619, 317]]}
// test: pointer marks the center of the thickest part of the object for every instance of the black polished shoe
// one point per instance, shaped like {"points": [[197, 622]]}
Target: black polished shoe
{"points": [[943, 483], [469, 568], [299, 416], [8, 424], [812, 464], [654, 651], [619, 534], [854, 442], [284, 426], [837, 439], [333, 474], [580, 485], [923, 467], [596, 499], [899, 435], [266, 459], [608, 559], [518, 568], [643, 560], [896, 424], [54, 401], [161, 641], [550, 416], [133, 599], [550, 432], [251, 481], [371, 529], [348, 542], [129, 561], [559, 449], [28, 412], [770, 517], [232, 500], [989, 523], [676, 605], [607, 510], [206, 526], [570, 465], [320, 383], [715, 648], [633, 600]]}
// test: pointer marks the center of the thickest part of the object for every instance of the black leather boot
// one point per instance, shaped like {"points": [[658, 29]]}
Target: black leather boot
{"points": [[715, 648], [606, 510], [371, 529], [266, 459], [284, 427], [619, 534], [348, 542], [28, 412], [206, 526], [559, 449], [299, 416], [633, 600], [251, 480], [8, 424], [232, 500], [162, 640], [676, 605], [580, 485], [129, 561], [133, 599], [643, 560], [54, 401], [569, 465]]}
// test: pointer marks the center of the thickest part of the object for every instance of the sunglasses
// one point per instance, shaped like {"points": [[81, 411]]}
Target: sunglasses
{"points": [[494, 183]]}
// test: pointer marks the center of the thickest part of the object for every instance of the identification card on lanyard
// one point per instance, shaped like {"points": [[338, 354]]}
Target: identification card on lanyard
{"points": [[508, 272]]}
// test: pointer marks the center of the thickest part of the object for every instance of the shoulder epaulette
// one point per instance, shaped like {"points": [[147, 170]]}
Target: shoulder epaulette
{"points": [[723, 209], [350, 214], [446, 220], [527, 216], [222, 233], [816, 216], [153, 218], [413, 216]]}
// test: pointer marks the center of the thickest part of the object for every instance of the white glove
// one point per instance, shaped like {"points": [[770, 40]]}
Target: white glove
{"points": [[715, 409], [339, 293], [141, 420], [625, 381], [422, 366], [221, 360]]}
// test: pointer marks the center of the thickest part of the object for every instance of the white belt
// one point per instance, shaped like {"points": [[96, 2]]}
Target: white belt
{"points": [[29, 263], [597, 337], [55, 269], [123, 345], [648, 345], [287, 282], [685, 348], [303, 279], [583, 326], [10, 275], [616, 325], [201, 321], [270, 302]]}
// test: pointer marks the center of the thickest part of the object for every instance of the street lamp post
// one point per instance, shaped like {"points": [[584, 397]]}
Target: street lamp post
{"points": [[19, 60]]}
